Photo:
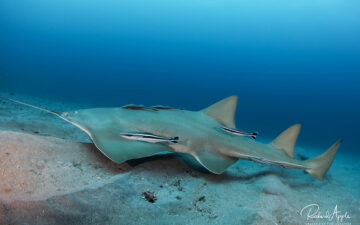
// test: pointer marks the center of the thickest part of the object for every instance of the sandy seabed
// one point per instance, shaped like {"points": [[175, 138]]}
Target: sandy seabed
{"points": [[50, 173]]}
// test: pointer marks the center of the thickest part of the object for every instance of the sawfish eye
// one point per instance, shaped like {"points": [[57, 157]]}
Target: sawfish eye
{"points": [[66, 113]]}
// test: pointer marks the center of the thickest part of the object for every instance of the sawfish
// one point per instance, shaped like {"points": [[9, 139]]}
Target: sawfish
{"points": [[199, 133]]}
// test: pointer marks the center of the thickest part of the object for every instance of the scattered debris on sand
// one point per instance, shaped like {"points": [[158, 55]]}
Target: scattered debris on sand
{"points": [[202, 199], [149, 196]]}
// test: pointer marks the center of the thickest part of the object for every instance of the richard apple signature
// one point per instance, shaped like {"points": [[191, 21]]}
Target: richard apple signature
{"points": [[313, 211]]}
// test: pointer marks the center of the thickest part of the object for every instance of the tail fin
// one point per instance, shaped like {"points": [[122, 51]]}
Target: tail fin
{"points": [[319, 166]]}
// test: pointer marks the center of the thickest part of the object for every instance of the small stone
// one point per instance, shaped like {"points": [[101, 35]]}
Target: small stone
{"points": [[177, 183], [178, 198], [149, 196], [76, 164], [202, 199]]}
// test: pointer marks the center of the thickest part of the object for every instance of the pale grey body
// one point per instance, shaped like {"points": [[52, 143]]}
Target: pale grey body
{"points": [[200, 135]]}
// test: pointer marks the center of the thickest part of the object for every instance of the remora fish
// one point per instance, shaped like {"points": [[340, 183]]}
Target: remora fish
{"points": [[200, 137], [162, 107], [137, 107], [148, 137], [239, 132]]}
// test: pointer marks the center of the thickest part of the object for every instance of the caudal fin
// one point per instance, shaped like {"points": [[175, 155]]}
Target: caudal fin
{"points": [[319, 166]]}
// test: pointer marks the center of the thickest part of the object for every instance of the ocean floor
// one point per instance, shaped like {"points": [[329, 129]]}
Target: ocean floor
{"points": [[50, 173]]}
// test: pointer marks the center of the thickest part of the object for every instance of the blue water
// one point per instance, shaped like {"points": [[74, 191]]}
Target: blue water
{"points": [[289, 61]]}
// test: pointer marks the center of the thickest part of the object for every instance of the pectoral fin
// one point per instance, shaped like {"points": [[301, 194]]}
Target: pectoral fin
{"points": [[213, 161], [120, 150]]}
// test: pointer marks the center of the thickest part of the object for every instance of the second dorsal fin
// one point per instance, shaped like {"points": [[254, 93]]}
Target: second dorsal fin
{"points": [[223, 111], [287, 139]]}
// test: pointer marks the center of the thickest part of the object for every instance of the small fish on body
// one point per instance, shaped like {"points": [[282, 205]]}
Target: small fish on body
{"points": [[262, 161], [239, 132], [162, 107], [148, 137], [137, 107]]}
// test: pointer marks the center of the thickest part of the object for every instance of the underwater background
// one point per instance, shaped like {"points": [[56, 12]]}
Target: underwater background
{"points": [[288, 61]]}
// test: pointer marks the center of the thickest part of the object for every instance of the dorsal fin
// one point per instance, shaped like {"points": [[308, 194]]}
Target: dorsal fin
{"points": [[287, 139], [223, 111]]}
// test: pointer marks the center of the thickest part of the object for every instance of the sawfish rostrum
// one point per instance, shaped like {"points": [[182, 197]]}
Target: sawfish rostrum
{"points": [[200, 135]]}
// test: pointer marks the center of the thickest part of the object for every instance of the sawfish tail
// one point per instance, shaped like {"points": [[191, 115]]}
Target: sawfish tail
{"points": [[319, 166]]}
